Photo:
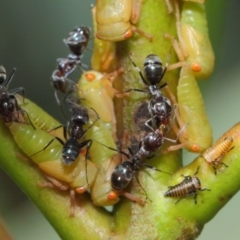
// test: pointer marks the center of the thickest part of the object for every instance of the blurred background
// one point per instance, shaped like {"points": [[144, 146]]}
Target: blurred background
{"points": [[31, 34]]}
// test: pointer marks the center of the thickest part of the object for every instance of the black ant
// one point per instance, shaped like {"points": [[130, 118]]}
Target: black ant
{"points": [[124, 172], [77, 42], [9, 108], [159, 107], [79, 118]]}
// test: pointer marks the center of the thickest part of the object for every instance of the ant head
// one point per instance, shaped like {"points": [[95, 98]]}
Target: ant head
{"points": [[152, 141], [153, 69], [78, 39]]}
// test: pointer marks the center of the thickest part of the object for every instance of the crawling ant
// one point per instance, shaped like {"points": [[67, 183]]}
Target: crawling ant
{"points": [[9, 108], [159, 107], [79, 118], [77, 42], [124, 172]]}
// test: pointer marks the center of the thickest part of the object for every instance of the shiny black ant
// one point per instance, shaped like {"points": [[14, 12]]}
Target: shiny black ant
{"points": [[159, 107], [9, 108], [79, 119], [124, 172], [77, 42]]}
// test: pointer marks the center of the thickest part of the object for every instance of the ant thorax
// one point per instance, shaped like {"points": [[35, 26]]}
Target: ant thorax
{"points": [[153, 141], [161, 107]]}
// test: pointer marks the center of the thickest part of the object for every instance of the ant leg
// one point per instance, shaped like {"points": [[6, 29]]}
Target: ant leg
{"points": [[56, 97], [10, 78], [29, 120], [147, 124], [19, 89], [45, 147], [138, 69], [58, 132], [156, 169]]}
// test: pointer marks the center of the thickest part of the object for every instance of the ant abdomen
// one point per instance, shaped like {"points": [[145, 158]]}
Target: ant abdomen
{"points": [[122, 175], [153, 69], [78, 39], [70, 151]]}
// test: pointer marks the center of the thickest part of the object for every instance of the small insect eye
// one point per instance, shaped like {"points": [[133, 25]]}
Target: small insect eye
{"points": [[84, 151], [196, 67], [81, 190], [112, 195], [90, 77], [128, 34], [195, 148]]}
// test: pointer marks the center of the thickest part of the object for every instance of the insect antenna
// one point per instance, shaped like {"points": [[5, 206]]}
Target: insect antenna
{"points": [[10, 77], [136, 177], [28, 118], [113, 149]]}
